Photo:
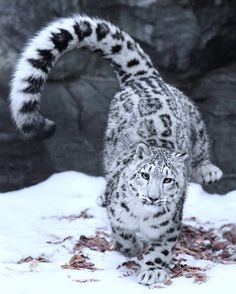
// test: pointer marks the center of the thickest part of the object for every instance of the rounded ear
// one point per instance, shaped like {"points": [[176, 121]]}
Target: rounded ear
{"points": [[179, 157], [142, 151]]}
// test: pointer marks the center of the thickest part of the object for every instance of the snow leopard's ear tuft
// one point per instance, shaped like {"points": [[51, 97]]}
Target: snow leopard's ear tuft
{"points": [[179, 157], [142, 151]]}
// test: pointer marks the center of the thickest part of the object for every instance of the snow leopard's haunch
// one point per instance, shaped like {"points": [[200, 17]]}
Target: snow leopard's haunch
{"points": [[99, 36], [155, 140]]}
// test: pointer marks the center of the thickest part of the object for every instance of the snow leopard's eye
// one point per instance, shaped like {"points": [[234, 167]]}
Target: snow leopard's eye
{"points": [[145, 176], [167, 180]]}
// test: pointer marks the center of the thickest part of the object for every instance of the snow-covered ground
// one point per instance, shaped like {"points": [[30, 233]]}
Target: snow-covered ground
{"points": [[43, 223]]}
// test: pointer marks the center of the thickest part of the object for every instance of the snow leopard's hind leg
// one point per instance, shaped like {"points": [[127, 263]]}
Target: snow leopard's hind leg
{"points": [[126, 242], [203, 171], [101, 200]]}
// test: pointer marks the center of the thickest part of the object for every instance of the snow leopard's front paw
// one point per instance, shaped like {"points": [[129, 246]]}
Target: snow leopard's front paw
{"points": [[152, 276], [208, 173]]}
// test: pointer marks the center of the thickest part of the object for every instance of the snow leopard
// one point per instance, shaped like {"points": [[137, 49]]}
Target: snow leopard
{"points": [[155, 140]]}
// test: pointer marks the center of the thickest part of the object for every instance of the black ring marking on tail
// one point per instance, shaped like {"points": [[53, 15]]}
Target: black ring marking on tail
{"points": [[116, 49], [40, 130], [35, 85], [82, 30], [45, 61], [130, 45], [118, 35], [102, 30], [61, 40], [133, 62], [47, 56], [27, 128], [30, 106], [39, 64]]}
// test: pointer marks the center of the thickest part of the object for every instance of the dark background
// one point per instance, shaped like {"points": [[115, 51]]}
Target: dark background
{"points": [[193, 44]]}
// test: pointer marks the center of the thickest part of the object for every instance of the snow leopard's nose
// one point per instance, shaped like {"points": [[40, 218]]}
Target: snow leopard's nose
{"points": [[152, 199]]}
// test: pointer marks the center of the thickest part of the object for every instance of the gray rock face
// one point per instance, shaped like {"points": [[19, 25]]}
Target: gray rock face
{"points": [[191, 42]]}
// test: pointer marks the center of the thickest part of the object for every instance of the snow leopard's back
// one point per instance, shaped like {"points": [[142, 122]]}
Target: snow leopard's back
{"points": [[149, 111]]}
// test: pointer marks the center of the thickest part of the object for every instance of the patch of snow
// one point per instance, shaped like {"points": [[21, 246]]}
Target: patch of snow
{"points": [[35, 221], [212, 208]]}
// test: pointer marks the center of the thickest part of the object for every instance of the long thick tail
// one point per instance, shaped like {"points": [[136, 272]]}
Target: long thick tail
{"points": [[42, 52]]}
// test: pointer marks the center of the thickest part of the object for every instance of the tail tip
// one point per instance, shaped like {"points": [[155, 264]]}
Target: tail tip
{"points": [[48, 129], [41, 131]]}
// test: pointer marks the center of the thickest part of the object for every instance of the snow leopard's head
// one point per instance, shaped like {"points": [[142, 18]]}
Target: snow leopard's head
{"points": [[158, 175]]}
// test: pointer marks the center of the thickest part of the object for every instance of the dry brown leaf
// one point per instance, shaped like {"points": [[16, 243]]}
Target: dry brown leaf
{"points": [[60, 241], [85, 280], [79, 261], [218, 246], [84, 214], [30, 258], [230, 233], [200, 278], [25, 259], [72, 217], [96, 242], [208, 244], [41, 259]]}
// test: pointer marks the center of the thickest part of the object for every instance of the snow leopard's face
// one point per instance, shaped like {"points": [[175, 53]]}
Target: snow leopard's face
{"points": [[158, 176]]}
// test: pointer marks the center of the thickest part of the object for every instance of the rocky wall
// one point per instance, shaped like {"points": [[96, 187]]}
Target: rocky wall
{"points": [[191, 42]]}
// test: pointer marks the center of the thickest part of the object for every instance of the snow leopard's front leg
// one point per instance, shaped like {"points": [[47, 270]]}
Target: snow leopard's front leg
{"points": [[155, 263], [203, 171], [157, 258], [126, 241]]}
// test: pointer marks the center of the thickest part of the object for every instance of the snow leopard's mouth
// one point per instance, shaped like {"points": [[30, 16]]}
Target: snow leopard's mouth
{"points": [[154, 203]]}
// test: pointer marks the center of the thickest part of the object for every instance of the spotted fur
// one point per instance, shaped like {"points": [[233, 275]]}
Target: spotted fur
{"points": [[155, 139]]}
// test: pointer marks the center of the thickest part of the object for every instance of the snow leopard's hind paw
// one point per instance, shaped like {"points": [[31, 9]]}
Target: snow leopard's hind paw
{"points": [[101, 201], [208, 173]]}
